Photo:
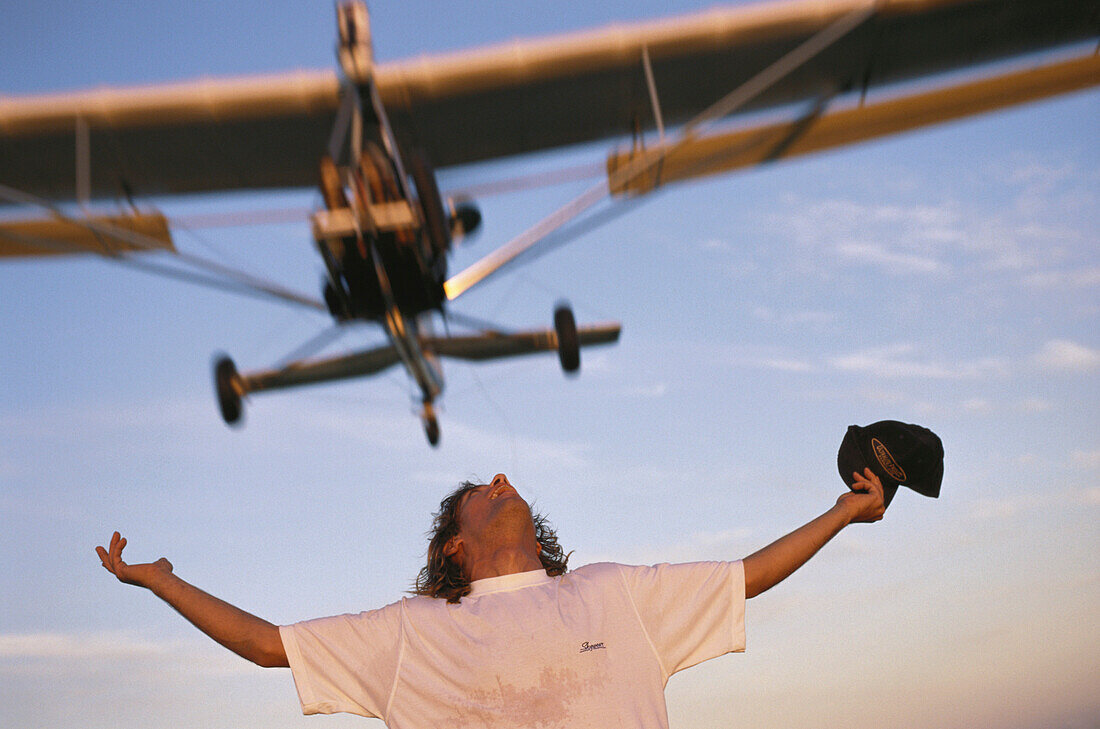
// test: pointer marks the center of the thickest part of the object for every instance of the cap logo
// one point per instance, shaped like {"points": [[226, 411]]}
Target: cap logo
{"points": [[886, 460]]}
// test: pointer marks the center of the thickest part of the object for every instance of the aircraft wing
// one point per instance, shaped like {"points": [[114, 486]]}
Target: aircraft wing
{"points": [[105, 235], [267, 132]]}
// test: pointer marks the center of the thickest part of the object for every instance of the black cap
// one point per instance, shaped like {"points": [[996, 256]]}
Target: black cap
{"points": [[900, 454]]}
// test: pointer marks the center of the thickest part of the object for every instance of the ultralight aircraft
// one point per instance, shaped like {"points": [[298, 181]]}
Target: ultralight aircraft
{"points": [[371, 136]]}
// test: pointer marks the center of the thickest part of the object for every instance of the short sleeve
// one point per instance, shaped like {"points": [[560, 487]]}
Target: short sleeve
{"points": [[690, 612], [345, 663]]}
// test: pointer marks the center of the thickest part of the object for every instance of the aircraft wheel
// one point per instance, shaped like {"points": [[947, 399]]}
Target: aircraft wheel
{"points": [[226, 382], [465, 219], [431, 424], [335, 303], [435, 221], [569, 348], [431, 429]]}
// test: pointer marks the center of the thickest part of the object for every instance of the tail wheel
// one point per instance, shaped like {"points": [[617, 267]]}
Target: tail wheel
{"points": [[227, 383], [431, 429], [569, 348], [431, 423]]}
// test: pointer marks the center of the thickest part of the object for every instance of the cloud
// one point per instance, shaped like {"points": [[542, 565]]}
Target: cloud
{"points": [[1039, 173], [49, 655], [1029, 237], [993, 509], [1072, 279], [1034, 405], [655, 390], [883, 397], [89, 646], [1041, 183], [785, 365], [788, 318], [851, 544], [897, 238], [1086, 459], [896, 361], [1028, 405], [825, 219], [724, 544], [988, 509], [892, 262], [768, 358], [476, 439], [1066, 356]]}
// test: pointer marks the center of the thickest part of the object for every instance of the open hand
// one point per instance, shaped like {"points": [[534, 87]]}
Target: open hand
{"points": [[141, 575], [865, 501]]}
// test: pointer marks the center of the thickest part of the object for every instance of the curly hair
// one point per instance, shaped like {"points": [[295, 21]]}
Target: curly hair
{"points": [[442, 576]]}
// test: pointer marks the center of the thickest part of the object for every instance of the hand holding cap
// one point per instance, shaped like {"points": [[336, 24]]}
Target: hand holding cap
{"points": [[900, 454]]}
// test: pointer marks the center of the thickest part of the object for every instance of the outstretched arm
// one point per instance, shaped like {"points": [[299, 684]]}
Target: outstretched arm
{"points": [[243, 633], [777, 561]]}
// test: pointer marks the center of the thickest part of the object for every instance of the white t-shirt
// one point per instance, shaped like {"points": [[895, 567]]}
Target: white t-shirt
{"points": [[591, 648]]}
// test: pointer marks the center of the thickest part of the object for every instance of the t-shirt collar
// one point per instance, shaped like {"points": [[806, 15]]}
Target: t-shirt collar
{"points": [[509, 582]]}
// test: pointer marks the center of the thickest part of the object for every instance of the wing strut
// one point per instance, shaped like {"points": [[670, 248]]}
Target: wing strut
{"points": [[653, 94], [729, 103]]}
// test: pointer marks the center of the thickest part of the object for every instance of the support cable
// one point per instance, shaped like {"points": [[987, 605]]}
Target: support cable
{"points": [[207, 270]]}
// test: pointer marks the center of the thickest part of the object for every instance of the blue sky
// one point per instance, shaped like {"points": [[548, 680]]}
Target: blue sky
{"points": [[947, 277]]}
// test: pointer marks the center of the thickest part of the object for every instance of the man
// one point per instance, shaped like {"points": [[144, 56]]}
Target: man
{"points": [[500, 635]]}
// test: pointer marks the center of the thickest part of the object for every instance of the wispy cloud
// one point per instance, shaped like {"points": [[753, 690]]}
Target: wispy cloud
{"points": [[1086, 459], [1039, 182], [721, 545], [87, 646], [1034, 405], [1027, 460], [1040, 174], [777, 363], [977, 405], [651, 391], [1065, 356], [762, 357], [883, 397], [891, 261], [900, 361], [830, 220], [50, 655], [1076, 278], [1007, 507], [898, 239], [989, 509], [1027, 237], [794, 318]]}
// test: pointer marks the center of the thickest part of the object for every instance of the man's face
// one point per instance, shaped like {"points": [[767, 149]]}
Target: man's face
{"points": [[494, 514], [486, 503]]}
